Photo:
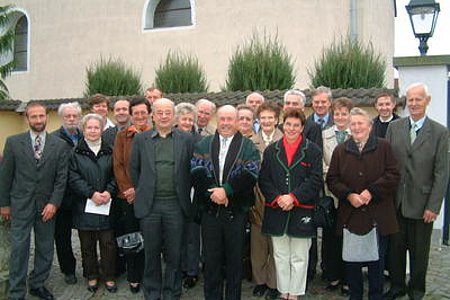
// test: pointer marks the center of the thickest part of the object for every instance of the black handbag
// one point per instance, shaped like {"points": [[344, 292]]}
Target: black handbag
{"points": [[325, 212], [130, 243]]}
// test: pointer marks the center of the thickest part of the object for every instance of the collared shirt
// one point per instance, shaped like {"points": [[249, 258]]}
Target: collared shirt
{"points": [[224, 143], [267, 138], [75, 137], [256, 125], [418, 123], [386, 121], [324, 119], [33, 136], [108, 124]]}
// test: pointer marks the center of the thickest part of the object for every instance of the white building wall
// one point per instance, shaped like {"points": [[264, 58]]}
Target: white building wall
{"points": [[66, 36]]}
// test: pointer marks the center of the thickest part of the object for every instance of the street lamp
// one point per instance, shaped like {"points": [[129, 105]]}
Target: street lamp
{"points": [[423, 15]]}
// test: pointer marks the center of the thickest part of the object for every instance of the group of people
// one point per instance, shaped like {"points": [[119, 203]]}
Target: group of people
{"points": [[188, 179]]}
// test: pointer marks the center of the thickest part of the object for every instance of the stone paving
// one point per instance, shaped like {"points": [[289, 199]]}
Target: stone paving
{"points": [[438, 282]]}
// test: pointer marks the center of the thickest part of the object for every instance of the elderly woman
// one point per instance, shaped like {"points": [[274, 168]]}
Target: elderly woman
{"points": [[290, 180], [246, 116], [331, 243], [263, 264], [126, 221], [363, 175], [186, 117], [91, 179]]}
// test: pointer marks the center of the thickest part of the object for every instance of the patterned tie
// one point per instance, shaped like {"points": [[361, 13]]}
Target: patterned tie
{"points": [[222, 157], [321, 122], [413, 132], [38, 147]]}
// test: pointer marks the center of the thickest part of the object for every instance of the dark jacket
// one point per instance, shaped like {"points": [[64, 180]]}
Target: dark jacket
{"points": [[303, 179], [374, 169], [89, 173], [143, 170], [239, 174], [67, 201]]}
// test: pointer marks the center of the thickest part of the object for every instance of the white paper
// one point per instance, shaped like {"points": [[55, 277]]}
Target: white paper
{"points": [[93, 208]]}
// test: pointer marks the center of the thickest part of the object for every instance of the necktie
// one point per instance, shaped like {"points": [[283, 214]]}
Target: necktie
{"points": [[321, 122], [413, 132], [38, 147], [199, 130]]}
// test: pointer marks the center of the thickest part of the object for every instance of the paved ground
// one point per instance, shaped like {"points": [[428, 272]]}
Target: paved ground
{"points": [[438, 282]]}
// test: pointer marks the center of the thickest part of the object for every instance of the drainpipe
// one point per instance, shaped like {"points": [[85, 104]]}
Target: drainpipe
{"points": [[353, 20]]}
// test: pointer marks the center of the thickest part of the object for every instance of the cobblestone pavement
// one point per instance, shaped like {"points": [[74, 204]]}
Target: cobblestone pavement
{"points": [[438, 282]]}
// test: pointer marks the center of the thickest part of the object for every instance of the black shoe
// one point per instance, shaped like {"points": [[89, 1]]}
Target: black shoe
{"points": [[260, 290], [111, 288], [391, 294], [190, 282], [92, 287], [42, 293], [70, 278], [272, 294], [345, 290], [135, 289]]}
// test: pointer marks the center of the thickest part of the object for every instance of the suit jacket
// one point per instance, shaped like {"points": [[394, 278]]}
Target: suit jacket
{"points": [[27, 185], [423, 166], [329, 123], [143, 170]]}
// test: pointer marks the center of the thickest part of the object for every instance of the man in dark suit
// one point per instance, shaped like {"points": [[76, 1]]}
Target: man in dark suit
{"points": [[33, 177], [224, 168], [160, 171], [70, 114], [420, 146], [122, 116], [321, 104]]}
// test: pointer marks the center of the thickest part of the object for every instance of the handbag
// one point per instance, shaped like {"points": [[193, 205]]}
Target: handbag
{"points": [[130, 243], [360, 247], [325, 212]]}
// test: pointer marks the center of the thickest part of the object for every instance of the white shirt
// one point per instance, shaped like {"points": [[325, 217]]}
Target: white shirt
{"points": [[224, 145]]}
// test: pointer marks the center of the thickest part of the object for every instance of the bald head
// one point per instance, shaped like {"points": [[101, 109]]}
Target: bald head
{"points": [[227, 121]]}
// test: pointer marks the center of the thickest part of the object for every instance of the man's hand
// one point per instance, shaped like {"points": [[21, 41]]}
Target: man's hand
{"points": [[366, 196], [5, 212], [129, 195], [429, 216], [218, 196], [97, 198], [48, 212], [106, 197], [355, 200]]}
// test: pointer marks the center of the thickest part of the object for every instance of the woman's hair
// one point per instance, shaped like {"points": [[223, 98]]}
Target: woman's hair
{"points": [[295, 113], [342, 102], [91, 116], [357, 111], [185, 108], [270, 107]]}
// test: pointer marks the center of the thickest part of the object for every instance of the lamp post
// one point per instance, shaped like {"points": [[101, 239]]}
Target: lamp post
{"points": [[423, 15]]}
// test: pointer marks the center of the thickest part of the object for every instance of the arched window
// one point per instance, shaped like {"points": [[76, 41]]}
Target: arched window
{"points": [[21, 45], [168, 13]]}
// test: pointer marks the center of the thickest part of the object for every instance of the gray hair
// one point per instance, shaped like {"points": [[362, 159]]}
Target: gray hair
{"points": [[186, 108], [323, 90], [295, 92], [162, 100], [357, 111], [206, 101], [92, 116], [418, 84], [254, 94], [64, 106]]}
